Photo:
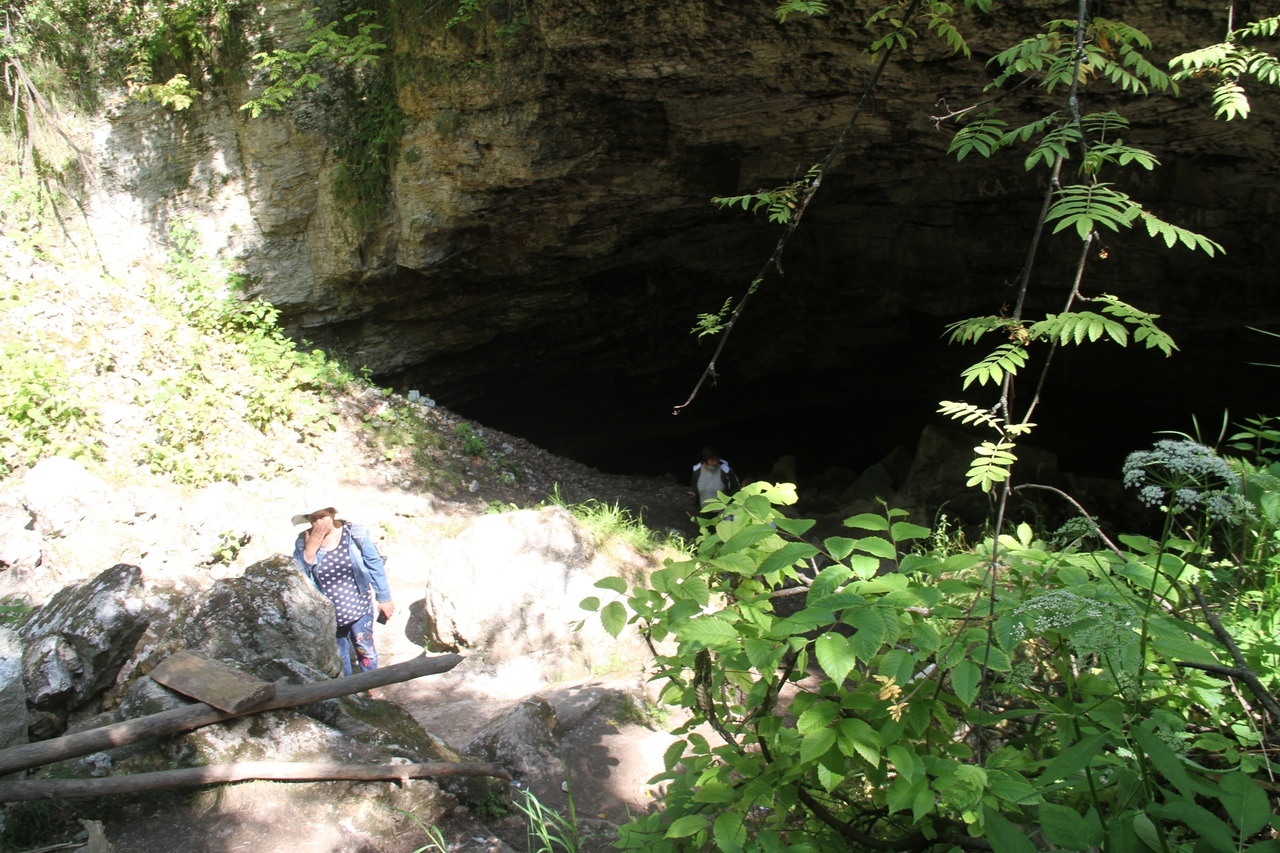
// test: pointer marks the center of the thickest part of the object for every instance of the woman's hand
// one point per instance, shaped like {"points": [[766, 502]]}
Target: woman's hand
{"points": [[320, 530], [387, 608]]}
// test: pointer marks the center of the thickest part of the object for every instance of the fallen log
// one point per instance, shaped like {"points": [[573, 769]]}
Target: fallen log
{"points": [[322, 771], [194, 716]]}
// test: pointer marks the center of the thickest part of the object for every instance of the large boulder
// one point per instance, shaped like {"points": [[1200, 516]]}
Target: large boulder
{"points": [[511, 585], [76, 644], [272, 612], [13, 693], [523, 741]]}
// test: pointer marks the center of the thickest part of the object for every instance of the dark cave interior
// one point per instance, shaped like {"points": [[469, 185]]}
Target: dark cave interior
{"points": [[1099, 403]]}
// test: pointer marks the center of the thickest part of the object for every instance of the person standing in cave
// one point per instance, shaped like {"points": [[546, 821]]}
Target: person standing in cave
{"points": [[341, 560], [710, 477]]}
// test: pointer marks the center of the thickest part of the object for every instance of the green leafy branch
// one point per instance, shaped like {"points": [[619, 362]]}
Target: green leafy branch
{"points": [[799, 7], [1111, 51], [713, 324], [1232, 61], [291, 72], [971, 329], [1086, 207], [780, 202], [1005, 360], [177, 93]]}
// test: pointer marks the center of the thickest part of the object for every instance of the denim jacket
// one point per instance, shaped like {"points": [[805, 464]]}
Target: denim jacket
{"points": [[365, 559]]}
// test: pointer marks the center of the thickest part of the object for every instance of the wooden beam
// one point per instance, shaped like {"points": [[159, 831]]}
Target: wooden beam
{"points": [[211, 681], [322, 771], [194, 716]]}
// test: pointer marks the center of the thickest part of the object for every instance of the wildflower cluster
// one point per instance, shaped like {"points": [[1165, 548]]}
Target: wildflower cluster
{"points": [[1099, 626], [1185, 475]]}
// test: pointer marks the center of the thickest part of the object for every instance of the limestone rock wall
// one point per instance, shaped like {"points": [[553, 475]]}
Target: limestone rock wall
{"points": [[547, 215]]}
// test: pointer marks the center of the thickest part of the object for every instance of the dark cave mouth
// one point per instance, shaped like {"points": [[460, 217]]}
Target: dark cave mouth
{"points": [[1098, 406], [845, 407]]}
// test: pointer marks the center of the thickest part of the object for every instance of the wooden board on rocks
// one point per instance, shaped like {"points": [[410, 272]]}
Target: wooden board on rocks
{"points": [[212, 682]]}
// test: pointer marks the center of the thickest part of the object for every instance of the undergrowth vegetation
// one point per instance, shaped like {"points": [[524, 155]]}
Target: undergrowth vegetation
{"points": [[875, 691], [211, 384]]}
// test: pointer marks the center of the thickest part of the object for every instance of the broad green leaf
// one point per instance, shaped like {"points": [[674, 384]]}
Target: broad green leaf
{"points": [[1210, 828], [615, 584], [747, 537], [1170, 765], [738, 564], [786, 556], [903, 530], [816, 744], [715, 791], [872, 626], [794, 526], [1127, 835], [829, 779], [709, 631], [863, 566], [858, 737], [996, 660], [1074, 758], [693, 589], [820, 716], [838, 547], [966, 679], [1245, 802], [1012, 786], [614, 618], [763, 654], [906, 762], [867, 521], [835, 656], [683, 827], [809, 619], [671, 757], [898, 664], [876, 547], [902, 792], [827, 581], [1063, 826], [590, 603], [1004, 836]]}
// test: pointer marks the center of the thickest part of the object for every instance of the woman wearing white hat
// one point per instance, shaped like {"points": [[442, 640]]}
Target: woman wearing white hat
{"points": [[343, 563]]}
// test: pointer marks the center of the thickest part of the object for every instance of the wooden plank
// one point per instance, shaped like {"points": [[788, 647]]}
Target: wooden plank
{"points": [[58, 789], [190, 717], [212, 682]]}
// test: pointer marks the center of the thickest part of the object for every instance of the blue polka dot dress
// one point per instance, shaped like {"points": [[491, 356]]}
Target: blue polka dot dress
{"points": [[336, 577]]}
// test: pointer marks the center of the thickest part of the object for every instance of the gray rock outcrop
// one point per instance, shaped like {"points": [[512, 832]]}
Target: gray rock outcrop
{"points": [[272, 612], [13, 692], [522, 740], [75, 645]]}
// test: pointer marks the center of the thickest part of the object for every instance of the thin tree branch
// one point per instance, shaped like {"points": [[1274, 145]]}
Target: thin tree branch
{"points": [[1096, 529], [1242, 670], [775, 260]]}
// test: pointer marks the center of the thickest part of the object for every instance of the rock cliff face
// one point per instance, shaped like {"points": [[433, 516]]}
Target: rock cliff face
{"points": [[547, 239]]}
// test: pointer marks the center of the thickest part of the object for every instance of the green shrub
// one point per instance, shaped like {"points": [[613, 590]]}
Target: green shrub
{"points": [[1011, 691], [42, 410]]}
